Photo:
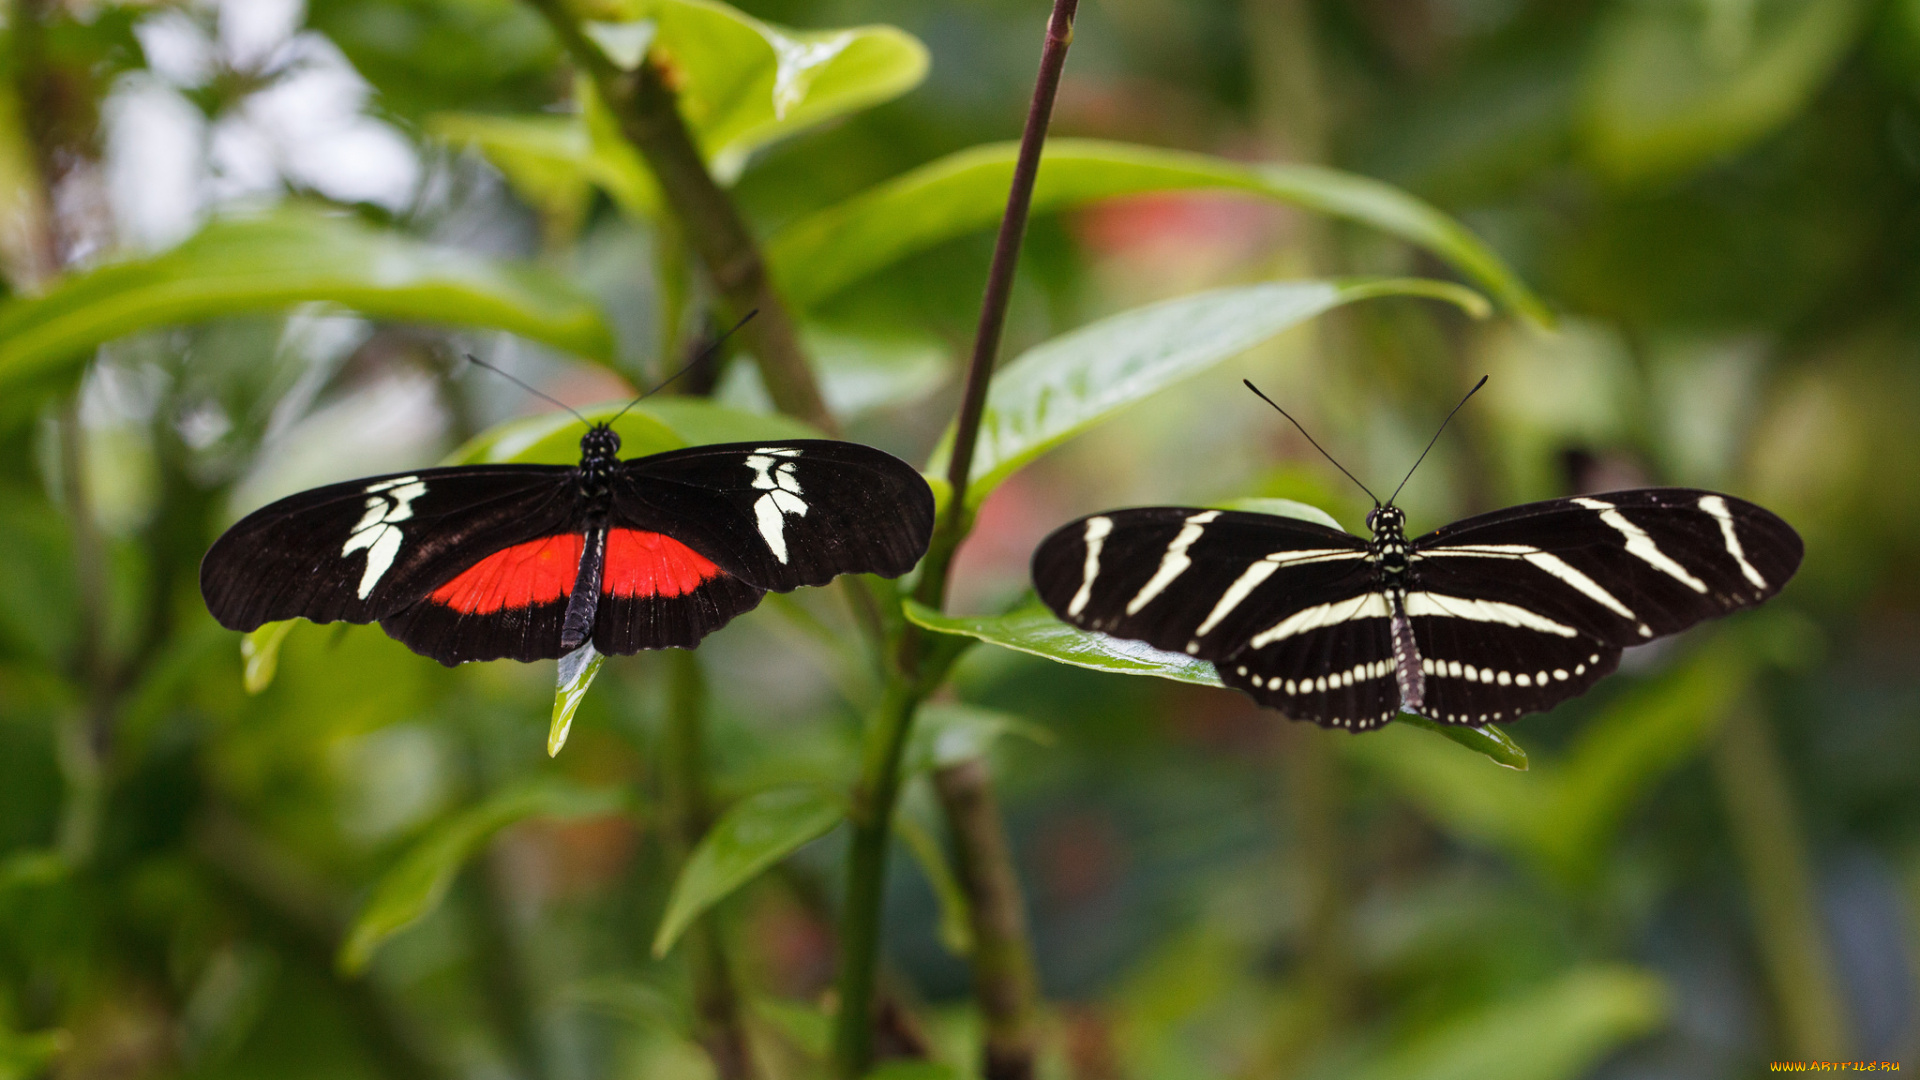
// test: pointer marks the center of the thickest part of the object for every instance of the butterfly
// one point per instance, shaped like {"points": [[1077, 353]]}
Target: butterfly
{"points": [[1481, 621], [530, 562]]}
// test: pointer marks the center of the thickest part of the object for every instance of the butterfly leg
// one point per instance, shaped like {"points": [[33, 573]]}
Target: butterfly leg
{"points": [[584, 603]]}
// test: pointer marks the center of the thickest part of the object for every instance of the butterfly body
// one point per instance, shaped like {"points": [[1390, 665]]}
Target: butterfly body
{"points": [[1483, 621], [533, 561]]}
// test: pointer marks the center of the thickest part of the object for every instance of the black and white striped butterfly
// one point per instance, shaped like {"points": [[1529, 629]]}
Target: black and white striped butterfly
{"points": [[1482, 621]]}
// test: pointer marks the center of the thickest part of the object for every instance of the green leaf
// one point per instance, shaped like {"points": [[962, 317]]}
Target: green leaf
{"points": [[950, 732], [1672, 87], [553, 162], [1056, 390], [293, 255], [651, 427], [819, 255], [1031, 628], [863, 370], [1554, 1032], [744, 83], [260, 654], [698, 422], [553, 438], [24, 1056], [759, 831], [1489, 739], [1292, 508], [912, 1070], [415, 886], [576, 673], [956, 928]]}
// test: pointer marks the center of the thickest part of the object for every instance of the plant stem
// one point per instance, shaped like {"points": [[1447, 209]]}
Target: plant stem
{"points": [[649, 115], [993, 305], [1004, 982], [689, 812], [919, 662], [1786, 909], [37, 259], [1314, 783], [860, 914]]}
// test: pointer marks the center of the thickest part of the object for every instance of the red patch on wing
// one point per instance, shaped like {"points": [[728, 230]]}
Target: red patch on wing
{"points": [[651, 564], [536, 572]]}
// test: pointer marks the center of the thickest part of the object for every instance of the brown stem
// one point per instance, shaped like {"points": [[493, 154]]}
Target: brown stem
{"points": [[1786, 912], [993, 305], [1003, 970], [716, 1001], [649, 115], [37, 259], [1004, 983]]}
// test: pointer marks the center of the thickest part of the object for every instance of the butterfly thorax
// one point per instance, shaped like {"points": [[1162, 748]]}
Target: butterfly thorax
{"points": [[1389, 546], [599, 453]]}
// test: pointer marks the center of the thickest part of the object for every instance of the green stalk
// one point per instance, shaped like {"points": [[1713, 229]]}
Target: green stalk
{"points": [[1786, 911], [919, 663], [716, 1001]]}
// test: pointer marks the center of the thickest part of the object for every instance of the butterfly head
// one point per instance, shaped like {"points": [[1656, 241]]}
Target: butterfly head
{"points": [[1386, 520], [599, 443]]}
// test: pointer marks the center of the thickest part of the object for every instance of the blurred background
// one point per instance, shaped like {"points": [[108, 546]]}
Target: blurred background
{"points": [[1712, 863]]}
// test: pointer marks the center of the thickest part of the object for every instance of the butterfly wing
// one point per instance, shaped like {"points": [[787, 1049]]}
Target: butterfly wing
{"points": [[1287, 610], [1520, 609], [782, 515], [701, 534], [365, 549]]}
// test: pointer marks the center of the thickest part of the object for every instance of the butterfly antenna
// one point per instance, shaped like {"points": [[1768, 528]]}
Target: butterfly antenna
{"points": [[545, 397], [1436, 436], [1316, 446], [705, 354]]}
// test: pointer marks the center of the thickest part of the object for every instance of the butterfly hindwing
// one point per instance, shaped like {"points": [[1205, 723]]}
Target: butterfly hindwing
{"points": [[1476, 671], [1339, 673], [365, 549], [782, 515], [655, 593]]}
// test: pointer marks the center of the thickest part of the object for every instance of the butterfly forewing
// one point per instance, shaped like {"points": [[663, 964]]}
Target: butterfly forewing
{"points": [[1194, 581], [782, 515], [362, 550], [1625, 567]]}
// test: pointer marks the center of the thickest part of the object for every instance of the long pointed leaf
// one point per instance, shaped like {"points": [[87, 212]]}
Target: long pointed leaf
{"points": [[758, 832], [818, 256], [417, 884], [1055, 390], [293, 256]]}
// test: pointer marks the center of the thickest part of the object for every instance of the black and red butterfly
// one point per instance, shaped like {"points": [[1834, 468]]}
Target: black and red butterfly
{"points": [[531, 562]]}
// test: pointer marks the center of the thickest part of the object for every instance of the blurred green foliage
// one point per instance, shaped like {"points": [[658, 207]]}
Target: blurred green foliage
{"points": [[319, 855]]}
